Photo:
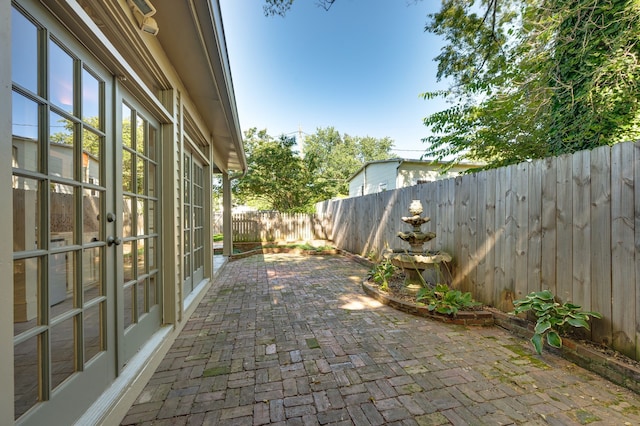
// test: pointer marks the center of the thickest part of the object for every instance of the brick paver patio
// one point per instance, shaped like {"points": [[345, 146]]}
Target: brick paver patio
{"points": [[291, 340]]}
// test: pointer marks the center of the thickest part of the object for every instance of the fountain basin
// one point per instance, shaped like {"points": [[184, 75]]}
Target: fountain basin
{"points": [[411, 260]]}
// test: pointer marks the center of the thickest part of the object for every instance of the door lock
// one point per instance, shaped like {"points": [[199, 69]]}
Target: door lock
{"points": [[113, 240]]}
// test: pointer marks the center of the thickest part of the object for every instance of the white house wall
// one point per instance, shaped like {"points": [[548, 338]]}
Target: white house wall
{"points": [[410, 173], [356, 185], [383, 175], [380, 177]]}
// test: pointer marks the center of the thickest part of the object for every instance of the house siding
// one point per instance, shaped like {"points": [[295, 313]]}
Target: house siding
{"points": [[140, 70], [385, 175]]}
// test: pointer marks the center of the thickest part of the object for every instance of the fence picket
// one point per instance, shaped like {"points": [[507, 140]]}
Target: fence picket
{"points": [[600, 255], [534, 247], [623, 249]]}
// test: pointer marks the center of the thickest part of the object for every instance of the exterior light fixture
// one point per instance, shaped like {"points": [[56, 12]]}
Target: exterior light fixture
{"points": [[142, 11]]}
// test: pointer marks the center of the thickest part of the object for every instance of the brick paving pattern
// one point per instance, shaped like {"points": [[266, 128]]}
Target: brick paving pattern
{"points": [[291, 340]]}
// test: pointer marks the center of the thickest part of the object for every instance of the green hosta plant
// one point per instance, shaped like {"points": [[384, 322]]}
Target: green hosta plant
{"points": [[552, 317], [444, 300]]}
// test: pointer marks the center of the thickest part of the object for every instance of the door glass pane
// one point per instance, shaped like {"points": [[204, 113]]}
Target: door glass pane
{"points": [[25, 141], [91, 156], [26, 294], [63, 351], [151, 216], [92, 273], [187, 268], [62, 218], [140, 301], [152, 144], [127, 178], [62, 282], [93, 325], [153, 292], [61, 152], [127, 216], [151, 170], [141, 255], [140, 175], [126, 126], [60, 77], [187, 242], [129, 297], [127, 252], [91, 202], [141, 214], [140, 141], [187, 217], [24, 48], [151, 249], [26, 214], [25, 375], [91, 100]]}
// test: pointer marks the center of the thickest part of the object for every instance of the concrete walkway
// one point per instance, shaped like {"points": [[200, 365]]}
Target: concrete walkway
{"points": [[292, 340]]}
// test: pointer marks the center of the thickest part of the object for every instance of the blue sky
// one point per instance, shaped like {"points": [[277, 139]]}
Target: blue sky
{"points": [[360, 67]]}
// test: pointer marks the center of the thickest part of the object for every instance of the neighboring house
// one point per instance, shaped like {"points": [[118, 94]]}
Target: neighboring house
{"points": [[115, 114], [384, 175]]}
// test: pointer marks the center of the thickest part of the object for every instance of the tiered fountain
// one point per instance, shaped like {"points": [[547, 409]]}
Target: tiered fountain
{"points": [[417, 260]]}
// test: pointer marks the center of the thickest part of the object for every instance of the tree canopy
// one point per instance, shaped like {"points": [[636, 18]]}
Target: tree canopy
{"points": [[333, 158], [279, 178], [276, 178], [532, 78]]}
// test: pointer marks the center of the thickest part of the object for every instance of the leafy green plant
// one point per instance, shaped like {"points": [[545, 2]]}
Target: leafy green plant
{"points": [[552, 317], [444, 300], [382, 272]]}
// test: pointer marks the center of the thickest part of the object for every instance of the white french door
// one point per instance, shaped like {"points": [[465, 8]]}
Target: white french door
{"points": [[85, 166], [193, 226], [62, 165], [138, 276]]}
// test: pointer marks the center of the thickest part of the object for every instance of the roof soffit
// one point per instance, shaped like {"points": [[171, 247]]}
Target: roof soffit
{"points": [[193, 41]]}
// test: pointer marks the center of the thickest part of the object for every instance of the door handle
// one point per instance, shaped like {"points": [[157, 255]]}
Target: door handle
{"points": [[113, 240]]}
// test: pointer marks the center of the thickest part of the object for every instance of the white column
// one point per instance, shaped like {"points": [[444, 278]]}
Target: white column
{"points": [[227, 243]]}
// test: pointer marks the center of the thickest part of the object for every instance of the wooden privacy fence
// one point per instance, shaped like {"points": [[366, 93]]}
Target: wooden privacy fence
{"points": [[274, 226], [570, 224]]}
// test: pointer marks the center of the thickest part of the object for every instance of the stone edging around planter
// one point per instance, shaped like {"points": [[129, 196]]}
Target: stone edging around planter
{"points": [[482, 318]]}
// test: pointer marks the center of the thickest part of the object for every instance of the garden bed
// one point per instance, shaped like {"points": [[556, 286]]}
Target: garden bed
{"points": [[471, 317], [604, 361]]}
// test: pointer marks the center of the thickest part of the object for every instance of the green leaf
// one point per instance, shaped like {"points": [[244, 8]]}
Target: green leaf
{"points": [[542, 326], [576, 322], [545, 294], [553, 339], [537, 342]]}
